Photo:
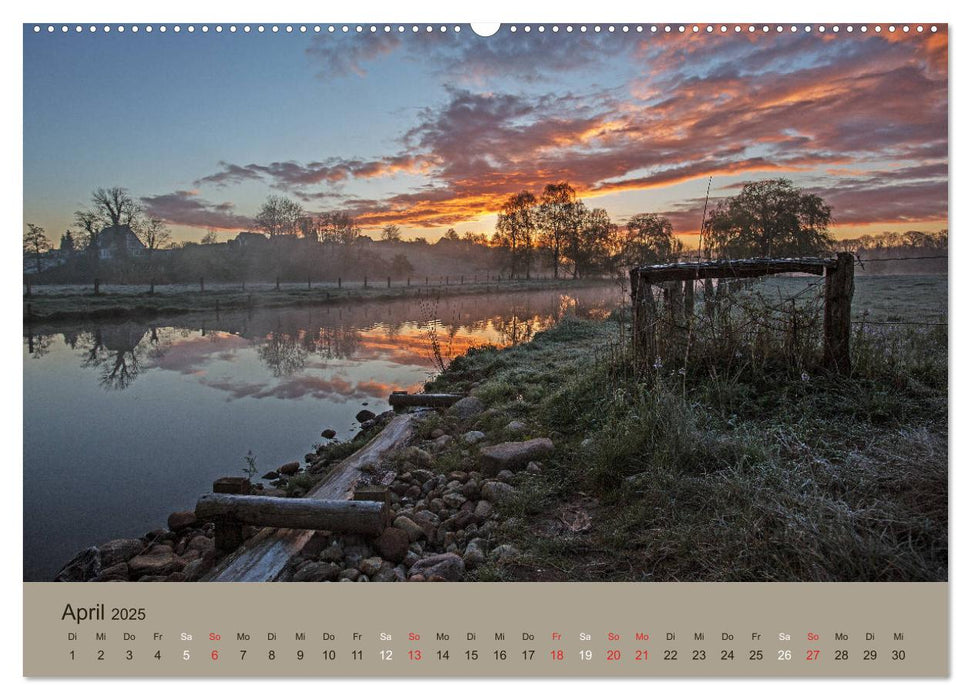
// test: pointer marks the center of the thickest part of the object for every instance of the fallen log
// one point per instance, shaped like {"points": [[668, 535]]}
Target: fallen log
{"points": [[265, 556], [231, 511], [402, 399]]}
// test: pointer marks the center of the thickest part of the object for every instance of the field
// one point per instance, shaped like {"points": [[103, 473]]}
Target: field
{"points": [[76, 302], [746, 462]]}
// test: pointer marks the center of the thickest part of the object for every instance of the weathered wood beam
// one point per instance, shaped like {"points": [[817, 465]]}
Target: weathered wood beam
{"points": [[359, 517], [265, 556], [401, 399], [656, 274]]}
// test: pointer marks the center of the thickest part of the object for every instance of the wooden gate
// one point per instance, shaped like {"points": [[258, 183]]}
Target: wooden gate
{"points": [[678, 281]]}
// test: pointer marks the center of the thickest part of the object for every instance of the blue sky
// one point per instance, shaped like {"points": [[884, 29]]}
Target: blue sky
{"points": [[432, 130]]}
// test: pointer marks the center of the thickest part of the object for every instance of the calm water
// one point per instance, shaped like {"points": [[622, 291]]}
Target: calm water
{"points": [[126, 422]]}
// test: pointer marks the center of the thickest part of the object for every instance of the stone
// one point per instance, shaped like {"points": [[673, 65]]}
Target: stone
{"points": [[182, 519], [201, 543], [271, 475], [332, 553], [483, 509], [441, 443], [534, 468], [289, 469], [496, 491], [329, 434], [85, 566], [120, 550], [157, 562], [422, 475], [370, 566], [317, 571], [505, 553], [466, 408], [448, 567], [516, 427], [436, 433], [364, 415], [473, 437], [410, 528], [474, 553], [317, 543], [513, 455], [393, 544], [453, 499], [505, 476], [349, 574], [118, 572]]}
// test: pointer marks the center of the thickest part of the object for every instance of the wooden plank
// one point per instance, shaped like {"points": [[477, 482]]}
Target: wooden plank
{"points": [[756, 267], [362, 517], [266, 555], [400, 399]]}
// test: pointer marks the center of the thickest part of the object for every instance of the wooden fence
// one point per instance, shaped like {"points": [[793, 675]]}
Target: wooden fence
{"points": [[677, 280]]}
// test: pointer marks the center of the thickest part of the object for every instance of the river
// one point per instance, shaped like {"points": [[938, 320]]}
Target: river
{"points": [[126, 422]]}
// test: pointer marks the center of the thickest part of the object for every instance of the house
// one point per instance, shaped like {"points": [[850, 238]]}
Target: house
{"points": [[117, 242], [247, 240]]}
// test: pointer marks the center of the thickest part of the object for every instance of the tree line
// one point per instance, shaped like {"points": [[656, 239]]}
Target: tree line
{"points": [[552, 232]]}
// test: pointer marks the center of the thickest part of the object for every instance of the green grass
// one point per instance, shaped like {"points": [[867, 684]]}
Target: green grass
{"points": [[761, 467]]}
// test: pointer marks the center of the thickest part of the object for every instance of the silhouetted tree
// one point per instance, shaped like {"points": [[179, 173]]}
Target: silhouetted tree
{"points": [[67, 243], [155, 235], [279, 216], [559, 218], [391, 233], [769, 218], [650, 239], [516, 228], [36, 244]]}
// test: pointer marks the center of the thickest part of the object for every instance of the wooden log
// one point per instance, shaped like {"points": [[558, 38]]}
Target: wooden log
{"points": [[756, 267], [239, 485], [402, 399], [359, 517], [836, 314], [266, 555]]}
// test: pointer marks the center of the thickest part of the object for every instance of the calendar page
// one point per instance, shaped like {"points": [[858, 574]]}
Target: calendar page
{"points": [[540, 350]]}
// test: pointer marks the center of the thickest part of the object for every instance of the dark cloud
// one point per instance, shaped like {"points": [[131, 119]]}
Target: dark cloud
{"points": [[868, 111], [186, 208]]}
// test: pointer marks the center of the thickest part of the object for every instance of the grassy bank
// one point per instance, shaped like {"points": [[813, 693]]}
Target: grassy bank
{"points": [[747, 461], [65, 303]]}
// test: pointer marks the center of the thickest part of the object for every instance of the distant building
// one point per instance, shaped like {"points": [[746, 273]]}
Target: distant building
{"points": [[248, 239], [114, 242]]}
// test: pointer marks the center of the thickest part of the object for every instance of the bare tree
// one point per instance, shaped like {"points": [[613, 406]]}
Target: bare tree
{"points": [[516, 227], [279, 216], [211, 237], [115, 206], [36, 244], [391, 232], [155, 235]]}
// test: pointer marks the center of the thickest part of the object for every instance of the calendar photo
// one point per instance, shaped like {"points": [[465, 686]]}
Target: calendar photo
{"points": [[415, 303]]}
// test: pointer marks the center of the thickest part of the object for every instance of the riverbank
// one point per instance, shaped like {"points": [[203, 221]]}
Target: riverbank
{"points": [[568, 462], [75, 303]]}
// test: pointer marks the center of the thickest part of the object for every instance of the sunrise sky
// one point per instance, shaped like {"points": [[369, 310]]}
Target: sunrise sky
{"points": [[433, 130]]}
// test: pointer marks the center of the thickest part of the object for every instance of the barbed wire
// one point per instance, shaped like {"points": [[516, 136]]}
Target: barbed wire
{"points": [[911, 257]]}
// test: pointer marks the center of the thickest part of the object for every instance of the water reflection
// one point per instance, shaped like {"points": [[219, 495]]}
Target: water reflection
{"points": [[289, 341], [127, 422]]}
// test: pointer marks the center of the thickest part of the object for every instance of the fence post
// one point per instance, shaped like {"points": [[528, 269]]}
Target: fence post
{"points": [[338, 282], [642, 296], [97, 286], [389, 283], [278, 283], [308, 281], [151, 287], [365, 281], [836, 314], [29, 290], [202, 284]]}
